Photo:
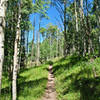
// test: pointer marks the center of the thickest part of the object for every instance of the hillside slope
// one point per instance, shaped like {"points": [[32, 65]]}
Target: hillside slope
{"points": [[75, 78], [31, 84]]}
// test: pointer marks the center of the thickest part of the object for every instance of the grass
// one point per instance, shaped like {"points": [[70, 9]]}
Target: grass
{"points": [[31, 84], [75, 79]]}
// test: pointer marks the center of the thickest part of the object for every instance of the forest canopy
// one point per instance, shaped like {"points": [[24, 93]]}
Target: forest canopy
{"points": [[58, 28]]}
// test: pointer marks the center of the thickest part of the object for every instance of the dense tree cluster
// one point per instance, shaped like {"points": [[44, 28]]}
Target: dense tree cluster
{"points": [[77, 31], [14, 25]]}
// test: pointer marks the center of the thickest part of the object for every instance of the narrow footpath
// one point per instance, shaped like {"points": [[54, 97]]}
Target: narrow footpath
{"points": [[50, 93]]}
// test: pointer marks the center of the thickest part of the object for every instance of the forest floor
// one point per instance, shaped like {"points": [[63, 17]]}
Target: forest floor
{"points": [[74, 78], [31, 84], [70, 78], [50, 93]]}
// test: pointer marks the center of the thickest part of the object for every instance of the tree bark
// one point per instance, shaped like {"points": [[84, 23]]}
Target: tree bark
{"points": [[88, 29], [2, 26], [38, 43], [16, 52], [57, 45], [50, 46], [76, 16], [76, 19], [84, 52], [32, 52], [27, 48], [98, 19], [82, 34], [65, 30], [62, 47]]}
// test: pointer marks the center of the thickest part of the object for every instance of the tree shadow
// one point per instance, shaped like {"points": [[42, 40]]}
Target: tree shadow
{"points": [[73, 60], [6, 90], [81, 81], [25, 87], [89, 88], [6, 93]]}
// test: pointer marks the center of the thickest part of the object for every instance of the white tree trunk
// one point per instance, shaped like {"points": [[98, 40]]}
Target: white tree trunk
{"points": [[38, 48], [2, 26], [16, 52], [50, 46], [76, 15], [98, 20], [57, 45], [32, 52], [99, 32], [62, 47], [38, 43], [84, 47], [81, 9]]}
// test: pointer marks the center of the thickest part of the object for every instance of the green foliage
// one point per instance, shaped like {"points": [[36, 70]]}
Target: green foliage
{"points": [[74, 75], [31, 84], [49, 62], [42, 31], [49, 44], [75, 79], [51, 29], [41, 7], [10, 30], [44, 49]]}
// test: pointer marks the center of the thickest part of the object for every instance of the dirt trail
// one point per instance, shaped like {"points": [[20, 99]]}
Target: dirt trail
{"points": [[50, 93]]}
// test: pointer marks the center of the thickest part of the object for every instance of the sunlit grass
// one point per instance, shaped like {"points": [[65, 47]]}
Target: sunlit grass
{"points": [[31, 84], [75, 80]]}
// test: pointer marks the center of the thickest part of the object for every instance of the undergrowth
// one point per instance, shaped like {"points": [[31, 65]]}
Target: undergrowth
{"points": [[31, 84], [75, 78]]}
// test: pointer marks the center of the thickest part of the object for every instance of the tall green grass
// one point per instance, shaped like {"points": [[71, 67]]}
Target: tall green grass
{"points": [[31, 84], [74, 79]]}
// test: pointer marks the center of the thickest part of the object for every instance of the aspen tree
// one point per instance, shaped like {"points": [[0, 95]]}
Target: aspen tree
{"points": [[3, 7]]}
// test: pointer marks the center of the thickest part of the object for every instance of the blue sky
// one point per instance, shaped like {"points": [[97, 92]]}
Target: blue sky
{"points": [[52, 13]]}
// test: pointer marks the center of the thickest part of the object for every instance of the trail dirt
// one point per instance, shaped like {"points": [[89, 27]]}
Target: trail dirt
{"points": [[50, 93]]}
